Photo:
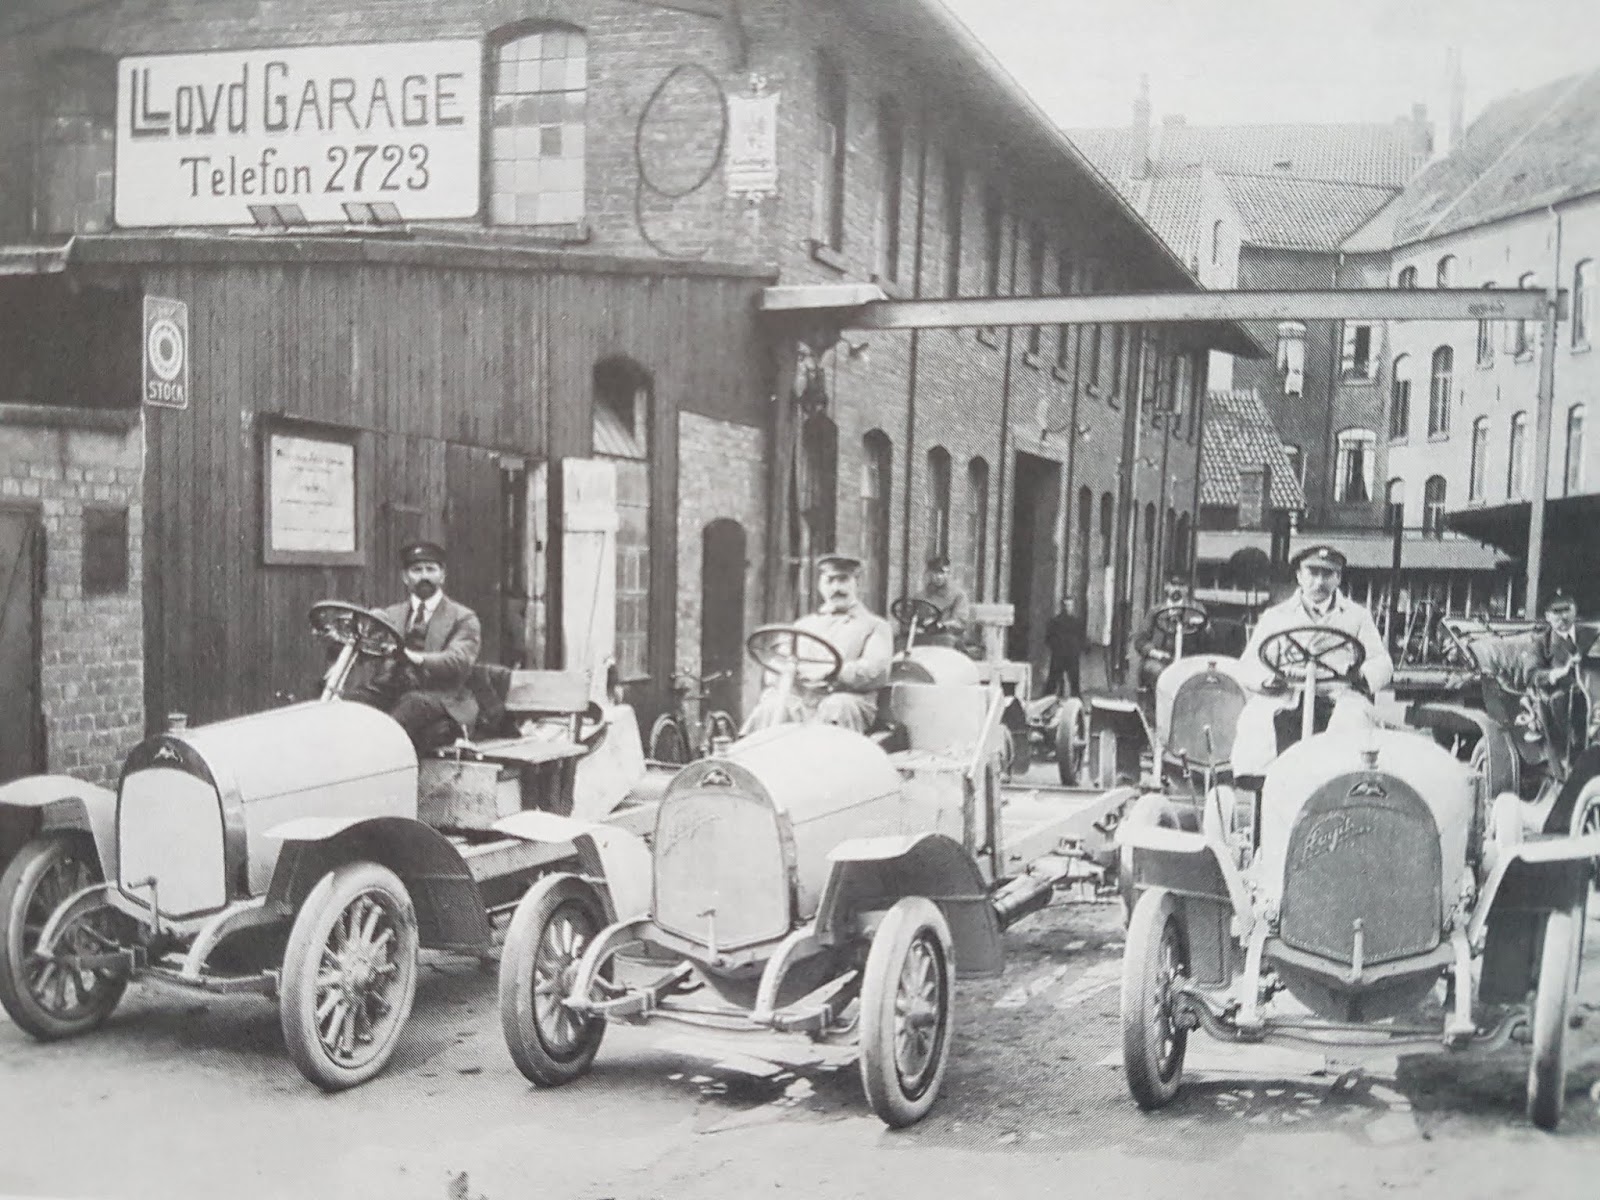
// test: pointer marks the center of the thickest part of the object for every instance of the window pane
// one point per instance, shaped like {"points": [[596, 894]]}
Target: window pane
{"points": [[536, 172]]}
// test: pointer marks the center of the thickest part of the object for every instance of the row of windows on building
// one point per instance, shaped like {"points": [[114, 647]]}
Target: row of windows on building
{"points": [[1356, 454], [1522, 336]]}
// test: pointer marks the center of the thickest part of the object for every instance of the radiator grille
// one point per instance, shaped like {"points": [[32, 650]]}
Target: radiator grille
{"points": [[169, 827], [719, 854], [1214, 700]]}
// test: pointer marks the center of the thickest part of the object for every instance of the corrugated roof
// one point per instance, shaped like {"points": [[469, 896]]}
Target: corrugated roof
{"points": [[1526, 151], [1302, 214], [1239, 433]]}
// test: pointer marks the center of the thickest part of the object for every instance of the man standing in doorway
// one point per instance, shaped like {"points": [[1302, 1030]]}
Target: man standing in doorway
{"points": [[1065, 636]]}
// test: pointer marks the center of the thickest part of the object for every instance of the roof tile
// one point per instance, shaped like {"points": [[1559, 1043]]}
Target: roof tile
{"points": [[1239, 433]]}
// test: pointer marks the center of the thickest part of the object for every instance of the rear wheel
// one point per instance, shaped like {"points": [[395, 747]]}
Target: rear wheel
{"points": [[1558, 978], [666, 741], [553, 926], [349, 975], [905, 1012], [1154, 962], [47, 999]]}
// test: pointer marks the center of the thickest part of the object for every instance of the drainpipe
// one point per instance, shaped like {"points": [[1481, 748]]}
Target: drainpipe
{"points": [[1000, 557], [1542, 424], [916, 345]]}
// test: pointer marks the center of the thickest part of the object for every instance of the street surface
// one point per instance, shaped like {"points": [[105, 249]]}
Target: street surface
{"points": [[180, 1097]]}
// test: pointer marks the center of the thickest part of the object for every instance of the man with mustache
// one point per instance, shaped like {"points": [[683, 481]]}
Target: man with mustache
{"points": [[424, 687], [865, 643]]}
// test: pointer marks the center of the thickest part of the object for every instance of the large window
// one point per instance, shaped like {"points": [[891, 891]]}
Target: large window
{"points": [[76, 141], [1356, 359], [1525, 334], [1582, 301], [1572, 475], [977, 524], [1433, 506], [536, 172], [1517, 457], [877, 477], [938, 501], [954, 192], [1480, 460], [1486, 339], [1394, 505], [832, 150], [1353, 462], [1439, 391], [892, 152], [1400, 399]]}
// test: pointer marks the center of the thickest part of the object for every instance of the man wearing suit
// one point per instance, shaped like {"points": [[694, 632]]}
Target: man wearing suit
{"points": [[425, 687]]}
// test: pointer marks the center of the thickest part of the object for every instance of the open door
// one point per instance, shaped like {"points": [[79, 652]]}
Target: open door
{"points": [[722, 574], [586, 585]]}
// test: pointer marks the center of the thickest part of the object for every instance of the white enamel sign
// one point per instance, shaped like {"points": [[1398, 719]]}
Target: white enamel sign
{"points": [[203, 137]]}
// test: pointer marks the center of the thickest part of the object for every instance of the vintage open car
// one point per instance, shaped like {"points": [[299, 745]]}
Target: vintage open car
{"points": [[1377, 880], [302, 853], [806, 880]]}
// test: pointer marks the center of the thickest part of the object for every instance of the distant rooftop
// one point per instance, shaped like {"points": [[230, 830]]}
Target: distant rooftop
{"points": [[1239, 433]]}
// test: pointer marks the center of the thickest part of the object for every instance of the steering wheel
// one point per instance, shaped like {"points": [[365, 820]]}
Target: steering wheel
{"points": [[778, 649], [912, 610], [1308, 647], [1191, 618], [372, 633]]}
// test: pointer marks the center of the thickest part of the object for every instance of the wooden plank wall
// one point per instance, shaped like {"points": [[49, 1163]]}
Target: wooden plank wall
{"points": [[444, 370]]}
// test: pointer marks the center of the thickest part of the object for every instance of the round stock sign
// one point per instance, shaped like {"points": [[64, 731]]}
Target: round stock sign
{"points": [[166, 352]]}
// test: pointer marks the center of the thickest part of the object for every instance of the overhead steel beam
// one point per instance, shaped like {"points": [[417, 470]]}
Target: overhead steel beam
{"points": [[1375, 304]]}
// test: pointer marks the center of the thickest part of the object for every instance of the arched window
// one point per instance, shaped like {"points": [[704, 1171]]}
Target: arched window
{"points": [[1084, 561], [1108, 517], [1353, 462], [1433, 506], [1400, 399], [1445, 274], [819, 482], [1486, 338], [536, 142], [76, 138], [1407, 278], [1439, 391], [978, 524], [1524, 333], [1582, 301], [1517, 457], [1480, 460], [1394, 505], [877, 477], [1573, 474], [938, 501]]}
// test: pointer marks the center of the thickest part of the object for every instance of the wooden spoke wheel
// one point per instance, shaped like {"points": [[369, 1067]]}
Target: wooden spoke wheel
{"points": [[553, 926]]}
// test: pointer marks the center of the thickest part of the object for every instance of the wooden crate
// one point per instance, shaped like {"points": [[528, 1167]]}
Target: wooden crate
{"points": [[463, 794]]}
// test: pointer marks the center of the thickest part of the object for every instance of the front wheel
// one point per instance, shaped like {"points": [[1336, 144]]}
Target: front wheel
{"points": [[553, 926], [49, 1000], [905, 1012], [349, 975], [1072, 737], [1154, 961], [667, 744], [1558, 977]]}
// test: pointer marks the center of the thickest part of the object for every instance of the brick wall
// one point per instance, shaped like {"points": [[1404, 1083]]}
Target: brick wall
{"points": [[92, 647]]}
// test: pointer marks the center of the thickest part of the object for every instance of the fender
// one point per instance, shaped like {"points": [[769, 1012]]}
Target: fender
{"points": [[43, 803], [1528, 882], [1585, 768], [1185, 862], [450, 914], [616, 858], [872, 873]]}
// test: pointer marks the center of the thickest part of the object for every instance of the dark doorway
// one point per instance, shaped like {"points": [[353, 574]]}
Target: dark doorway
{"points": [[722, 569], [1035, 509], [21, 577]]}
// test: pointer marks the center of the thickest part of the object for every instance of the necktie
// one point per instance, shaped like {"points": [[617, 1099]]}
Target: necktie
{"points": [[416, 631]]}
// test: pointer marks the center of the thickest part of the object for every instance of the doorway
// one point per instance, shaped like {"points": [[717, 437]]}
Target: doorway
{"points": [[722, 570], [1035, 510], [21, 588]]}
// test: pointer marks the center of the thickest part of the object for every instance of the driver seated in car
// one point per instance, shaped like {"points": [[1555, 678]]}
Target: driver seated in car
{"points": [[865, 644], [1271, 719], [1156, 641], [942, 593]]}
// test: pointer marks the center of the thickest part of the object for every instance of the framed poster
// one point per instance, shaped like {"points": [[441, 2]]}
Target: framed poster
{"points": [[310, 477]]}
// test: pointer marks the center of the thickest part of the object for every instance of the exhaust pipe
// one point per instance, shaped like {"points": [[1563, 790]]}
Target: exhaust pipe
{"points": [[1027, 894]]}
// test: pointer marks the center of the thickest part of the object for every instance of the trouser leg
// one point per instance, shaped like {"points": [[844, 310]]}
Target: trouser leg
{"points": [[424, 718]]}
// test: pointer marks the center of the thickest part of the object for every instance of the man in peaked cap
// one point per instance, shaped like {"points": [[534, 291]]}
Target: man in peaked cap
{"points": [[425, 687], [865, 643], [1270, 721], [955, 610]]}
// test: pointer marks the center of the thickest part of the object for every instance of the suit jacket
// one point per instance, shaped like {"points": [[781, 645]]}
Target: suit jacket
{"points": [[864, 641], [449, 650]]}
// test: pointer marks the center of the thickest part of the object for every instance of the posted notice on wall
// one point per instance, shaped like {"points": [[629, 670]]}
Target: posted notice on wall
{"points": [[203, 137], [752, 168], [312, 493]]}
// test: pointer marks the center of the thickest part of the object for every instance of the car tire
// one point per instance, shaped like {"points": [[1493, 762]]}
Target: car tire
{"points": [[1154, 955], [1558, 978], [361, 917], [906, 1007], [552, 928], [666, 742], [43, 874], [1071, 741]]}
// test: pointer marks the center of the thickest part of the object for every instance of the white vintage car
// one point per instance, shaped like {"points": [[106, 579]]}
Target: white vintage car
{"points": [[301, 853]]}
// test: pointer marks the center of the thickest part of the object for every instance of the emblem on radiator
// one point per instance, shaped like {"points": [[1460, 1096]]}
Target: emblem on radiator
{"points": [[1369, 787], [167, 753], [716, 777], [1329, 834]]}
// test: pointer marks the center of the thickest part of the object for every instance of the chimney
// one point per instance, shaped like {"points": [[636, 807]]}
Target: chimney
{"points": [[1458, 96], [1141, 130], [1421, 132]]}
